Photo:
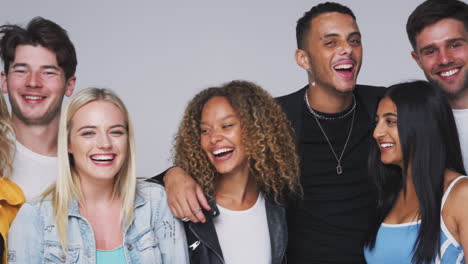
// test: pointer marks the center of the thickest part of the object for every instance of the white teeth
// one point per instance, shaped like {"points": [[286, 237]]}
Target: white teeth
{"points": [[386, 145], [30, 97], [449, 73], [343, 66], [102, 157], [223, 150]]}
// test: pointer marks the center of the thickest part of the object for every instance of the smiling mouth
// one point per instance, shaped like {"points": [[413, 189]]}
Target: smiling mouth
{"points": [[103, 159], [222, 153], [449, 73], [385, 146], [345, 70], [34, 98]]}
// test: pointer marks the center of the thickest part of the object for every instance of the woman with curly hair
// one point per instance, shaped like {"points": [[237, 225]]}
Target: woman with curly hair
{"points": [[11, 196], [238, 145]]}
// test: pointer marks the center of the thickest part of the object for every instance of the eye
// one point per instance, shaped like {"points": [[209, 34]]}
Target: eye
{"points": [[228, 126], [391, 122], [87, 133], [429, 52], [117, 132], [331, 43], [203, 131], [455, 45], [355, 41]]}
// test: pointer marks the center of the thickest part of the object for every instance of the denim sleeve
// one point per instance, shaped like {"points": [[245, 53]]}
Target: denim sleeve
{"points": [[25, 238], [170, 232]]}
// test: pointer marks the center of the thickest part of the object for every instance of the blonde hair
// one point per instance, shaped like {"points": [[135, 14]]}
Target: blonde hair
{"points": [[6, 142], [266, 133], [67, 186]]}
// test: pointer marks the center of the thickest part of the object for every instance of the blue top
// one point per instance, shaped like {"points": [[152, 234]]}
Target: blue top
{"points": [[394, 243], [115, 256]]}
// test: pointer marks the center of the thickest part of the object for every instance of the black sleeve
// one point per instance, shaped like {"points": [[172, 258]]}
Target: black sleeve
{"points": [[159, 179]]}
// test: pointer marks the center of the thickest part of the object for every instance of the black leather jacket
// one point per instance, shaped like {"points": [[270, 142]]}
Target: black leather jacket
{"points": [[203, 241]]}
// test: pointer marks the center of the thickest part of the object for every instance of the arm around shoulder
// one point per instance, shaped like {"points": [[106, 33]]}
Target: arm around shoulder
{"points": [[25, 238]]}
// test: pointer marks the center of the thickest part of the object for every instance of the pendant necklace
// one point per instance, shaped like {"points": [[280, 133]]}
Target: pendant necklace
{"points": [[339, 169]]}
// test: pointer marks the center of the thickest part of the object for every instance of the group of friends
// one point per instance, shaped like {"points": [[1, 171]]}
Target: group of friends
{"points": [[335, 172]]}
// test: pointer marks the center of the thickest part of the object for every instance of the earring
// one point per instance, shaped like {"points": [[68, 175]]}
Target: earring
{"points": [[313, 83]]}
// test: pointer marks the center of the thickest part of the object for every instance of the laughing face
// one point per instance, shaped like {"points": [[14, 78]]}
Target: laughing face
{"points": [[333, 52], [35, 84], [221, 137], [98, 141], [442, 53], [386, 133]]}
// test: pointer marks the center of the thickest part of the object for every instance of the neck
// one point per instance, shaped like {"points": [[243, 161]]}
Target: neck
{"points": [[236, 191], [460, 101], [326, 101], [97, 192], [41, 139]]}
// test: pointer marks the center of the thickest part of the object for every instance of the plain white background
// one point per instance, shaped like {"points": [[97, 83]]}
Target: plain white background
{"points": [[158, 54]]}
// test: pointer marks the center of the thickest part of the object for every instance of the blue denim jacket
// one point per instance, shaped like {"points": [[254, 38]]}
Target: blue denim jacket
{"points": [[155, 235]]}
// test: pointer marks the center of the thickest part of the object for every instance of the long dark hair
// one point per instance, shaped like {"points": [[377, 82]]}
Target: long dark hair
{"points": [[429, 139]]}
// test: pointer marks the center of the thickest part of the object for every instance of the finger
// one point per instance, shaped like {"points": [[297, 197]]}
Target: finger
{"points": [[184, 202], [175, 212], [202, 198], [196, 209]]}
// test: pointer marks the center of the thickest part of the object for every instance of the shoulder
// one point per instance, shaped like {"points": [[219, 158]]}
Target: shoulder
{"points": [[368, 92], [459, 192], [11, 192], [292, 97], [151, 190]]}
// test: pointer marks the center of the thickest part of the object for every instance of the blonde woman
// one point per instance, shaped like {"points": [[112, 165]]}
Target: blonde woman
{"points": [[11, 196], [238, 145], [97, 212]]}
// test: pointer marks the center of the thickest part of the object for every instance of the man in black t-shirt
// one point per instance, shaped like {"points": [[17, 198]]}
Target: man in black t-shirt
{"points": [[332, 120]]}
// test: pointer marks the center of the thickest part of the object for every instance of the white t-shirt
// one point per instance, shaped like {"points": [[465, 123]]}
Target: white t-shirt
{"points": [[243, 235], [33, 172], [461, 118]]}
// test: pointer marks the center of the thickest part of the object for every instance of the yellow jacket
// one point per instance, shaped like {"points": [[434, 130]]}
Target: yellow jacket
{"points": [[11, 199]]}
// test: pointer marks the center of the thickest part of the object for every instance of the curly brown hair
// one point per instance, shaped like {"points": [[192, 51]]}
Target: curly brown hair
{"points": [[266, 133], [6, 143]]}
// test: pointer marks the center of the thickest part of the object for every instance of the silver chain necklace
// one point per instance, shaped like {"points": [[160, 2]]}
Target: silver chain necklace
{"points": [[339, 169]]}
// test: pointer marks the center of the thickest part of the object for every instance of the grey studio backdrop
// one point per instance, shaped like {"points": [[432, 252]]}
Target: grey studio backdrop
{"points": [[157, 54]]}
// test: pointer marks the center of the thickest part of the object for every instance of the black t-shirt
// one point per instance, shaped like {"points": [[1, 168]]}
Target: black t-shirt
{"points": [[330, 223], [2, 248]]}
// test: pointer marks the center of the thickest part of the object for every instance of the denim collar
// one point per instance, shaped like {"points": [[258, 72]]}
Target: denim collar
{"points": [[73, 209]]}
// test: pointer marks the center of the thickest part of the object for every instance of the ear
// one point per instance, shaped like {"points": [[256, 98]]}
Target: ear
{"points": [[4, 82], [416, 58], [302, 59], [70, 86]]}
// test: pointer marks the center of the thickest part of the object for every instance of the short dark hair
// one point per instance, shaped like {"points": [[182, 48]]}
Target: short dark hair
{"points": [[432, 11], [303, 24], [429, 139], [43, 32]]}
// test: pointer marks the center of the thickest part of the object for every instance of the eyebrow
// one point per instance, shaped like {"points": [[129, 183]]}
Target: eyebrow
{"points": [[94, 127], [389, 114], [331, 35], [222, 119], [44, 67]]}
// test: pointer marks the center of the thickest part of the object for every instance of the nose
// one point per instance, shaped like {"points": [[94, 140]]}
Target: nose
{"points": [[104, 141], [445, 57], [215, 136], [379, 131], [34, 80], [345, 48]]}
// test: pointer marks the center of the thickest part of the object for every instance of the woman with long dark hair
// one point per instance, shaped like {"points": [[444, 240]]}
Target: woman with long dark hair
{"points": [[418, 171]]}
